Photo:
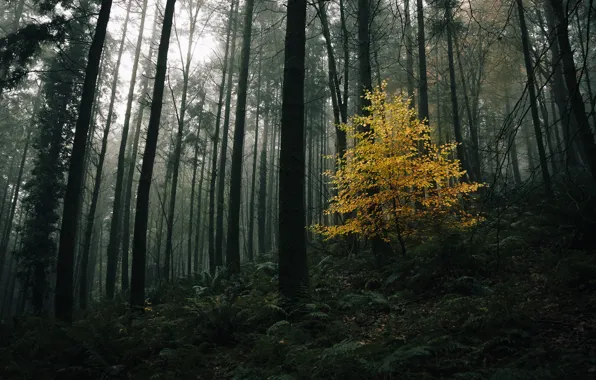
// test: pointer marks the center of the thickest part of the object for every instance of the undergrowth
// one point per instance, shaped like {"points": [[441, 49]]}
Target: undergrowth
{"points": [[511, 299]]}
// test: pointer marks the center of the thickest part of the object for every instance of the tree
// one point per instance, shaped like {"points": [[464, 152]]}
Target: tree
{"points": [[66, 251], [139, 250], [393, 189], [223, 153], [45, 187], [178, 147], [115, 231], [533, 102], [214, 168], [293, 266], [233, 241]]}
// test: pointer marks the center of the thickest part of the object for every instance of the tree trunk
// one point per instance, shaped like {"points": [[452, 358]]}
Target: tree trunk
{"points": [[293, 267], [195, 164], [334, 82], [223, 154], [115, 229], [213, 258], [475, 153], [139, 251], [409, 54], [115, 233], [569, 72], [251, 200], [423, 113], [132, 161], [233, 237], [455, 107], [15, 198], [533, 102], [197, 262], [511, 141], [64, 268], [262, 207], [178, 147]]}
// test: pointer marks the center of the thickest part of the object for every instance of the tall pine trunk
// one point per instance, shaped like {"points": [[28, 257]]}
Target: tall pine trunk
{"points": [[233, 238], [533, 101], [214, 169], [223, 153], [65, 265], [139, 251], [251, 200], [178, 146], [423, 112], [293, 267], [586, 136]]}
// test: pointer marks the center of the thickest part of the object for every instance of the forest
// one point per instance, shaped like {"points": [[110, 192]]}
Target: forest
{"points": [[293, 189]]}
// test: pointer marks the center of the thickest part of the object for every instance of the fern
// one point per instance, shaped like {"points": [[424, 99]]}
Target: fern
{"points": [[402, 356]]}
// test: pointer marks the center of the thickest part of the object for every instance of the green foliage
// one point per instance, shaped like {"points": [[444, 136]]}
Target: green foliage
{"points": [[454, 308]]}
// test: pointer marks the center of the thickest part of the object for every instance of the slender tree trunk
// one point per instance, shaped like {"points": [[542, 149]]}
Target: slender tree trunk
{"points": [[200, 227], [139, 252], [423, 112], [409, 54], [338, 106], [262, 207], [223, 154], [178, 147], [214, 260], [568, 120], [132, 162], [64, 269], [115, 233], [233, 237], [475, 161], [511, 141], [533, 102], [251, 200], [195, 164], [461, 156], [569, 72], [293, 267], [115, 236], [15, 199]]}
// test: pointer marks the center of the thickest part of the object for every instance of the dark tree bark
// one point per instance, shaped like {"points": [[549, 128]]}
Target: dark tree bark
{"points": [[233, 237], [252, 204], [197, 262], [65, 265], [533, 102], [83, 293], [15, 198], [293, 267], [573, 90], [454, 104], [132, 160], [513, 146], [139, 251], [409, 53], [423, 113], [334, 85], [115, 229], [195, 164], [178, 146], [223, 154], [213, 259], [262, 207]]}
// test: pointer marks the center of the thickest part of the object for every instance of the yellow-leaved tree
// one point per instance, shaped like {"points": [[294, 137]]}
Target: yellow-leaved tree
{"points": [[395, 182]]}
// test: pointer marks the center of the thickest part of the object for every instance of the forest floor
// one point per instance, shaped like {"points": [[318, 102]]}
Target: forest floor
{"points": [[458, 306]]}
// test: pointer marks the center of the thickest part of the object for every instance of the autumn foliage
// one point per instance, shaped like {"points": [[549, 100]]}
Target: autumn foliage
{"points": [[395, 182]]}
